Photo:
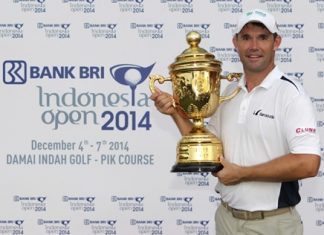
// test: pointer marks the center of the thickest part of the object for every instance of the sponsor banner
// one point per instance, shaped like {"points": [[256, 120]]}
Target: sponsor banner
{"points": [[83, 149]]}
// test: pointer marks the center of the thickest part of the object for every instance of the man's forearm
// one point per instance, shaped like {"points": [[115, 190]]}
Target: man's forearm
{"points": [[286, 168], [184, 125]]}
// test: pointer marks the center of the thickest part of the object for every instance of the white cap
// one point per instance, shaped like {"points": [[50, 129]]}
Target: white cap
{"points": [[257, 15]]}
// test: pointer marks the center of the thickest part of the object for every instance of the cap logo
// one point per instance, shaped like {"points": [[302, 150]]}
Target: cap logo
{"points": [[260, 13]]}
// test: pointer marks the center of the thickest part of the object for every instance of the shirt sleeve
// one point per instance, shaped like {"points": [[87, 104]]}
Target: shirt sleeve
{"points": [[302, 134]]}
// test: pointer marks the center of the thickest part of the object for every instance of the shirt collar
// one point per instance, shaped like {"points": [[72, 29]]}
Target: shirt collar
{"points": [[274, 75]]}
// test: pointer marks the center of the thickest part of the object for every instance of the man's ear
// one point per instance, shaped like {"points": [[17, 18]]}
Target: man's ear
{"points": [[277, 42], [234, 40]]}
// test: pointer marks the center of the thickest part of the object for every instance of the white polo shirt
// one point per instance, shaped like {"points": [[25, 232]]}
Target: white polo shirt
{"points": [[274, 119]]}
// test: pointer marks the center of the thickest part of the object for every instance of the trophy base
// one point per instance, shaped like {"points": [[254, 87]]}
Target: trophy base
{"points": [[199, 151], [197, 167]]}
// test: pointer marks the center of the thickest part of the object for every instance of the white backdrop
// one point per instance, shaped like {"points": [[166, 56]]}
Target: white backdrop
{"points": [[82, 148]]}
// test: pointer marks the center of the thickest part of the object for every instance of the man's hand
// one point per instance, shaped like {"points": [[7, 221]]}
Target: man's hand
{"points": [[163, 101], [230, 174]]}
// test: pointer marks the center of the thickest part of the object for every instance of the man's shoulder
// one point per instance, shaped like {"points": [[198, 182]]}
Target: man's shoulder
{"points": [[291, 83]]}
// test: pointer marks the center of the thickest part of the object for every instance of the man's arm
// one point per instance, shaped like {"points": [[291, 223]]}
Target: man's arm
{"points": [[286, 168]]}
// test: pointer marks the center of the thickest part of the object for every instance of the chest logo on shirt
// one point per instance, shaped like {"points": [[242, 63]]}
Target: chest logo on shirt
{"points": [[261, 114]]}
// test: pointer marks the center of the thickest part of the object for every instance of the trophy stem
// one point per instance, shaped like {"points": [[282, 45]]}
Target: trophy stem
{"points": [[198, 124]]}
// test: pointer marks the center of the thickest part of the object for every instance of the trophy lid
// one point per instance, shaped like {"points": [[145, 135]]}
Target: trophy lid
{"points": [[195, 57]]}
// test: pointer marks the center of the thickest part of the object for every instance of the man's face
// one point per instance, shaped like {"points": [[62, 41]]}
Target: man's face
{"points": [[256, 46]]}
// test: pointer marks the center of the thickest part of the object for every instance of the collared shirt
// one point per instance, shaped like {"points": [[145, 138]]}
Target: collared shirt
{"points": [[274, 119]]}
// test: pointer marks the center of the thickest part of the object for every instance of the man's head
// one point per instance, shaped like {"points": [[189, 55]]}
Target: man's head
{"points": [[256, 39], [257, 15]]}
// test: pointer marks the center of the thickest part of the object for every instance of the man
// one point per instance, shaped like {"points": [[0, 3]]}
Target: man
{"points": [[269, 137]]}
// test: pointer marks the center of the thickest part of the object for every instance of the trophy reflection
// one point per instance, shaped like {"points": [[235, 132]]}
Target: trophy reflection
{"points": [[195, 77]]}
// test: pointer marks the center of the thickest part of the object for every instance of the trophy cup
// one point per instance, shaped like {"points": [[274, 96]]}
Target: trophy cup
{"points": [[195, 77]]}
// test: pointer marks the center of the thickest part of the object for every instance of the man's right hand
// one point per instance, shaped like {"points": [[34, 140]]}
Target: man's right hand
{"points": [[164, 102]]}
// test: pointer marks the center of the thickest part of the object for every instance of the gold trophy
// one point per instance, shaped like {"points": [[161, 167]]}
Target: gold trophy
{"points": [[195, 77]]}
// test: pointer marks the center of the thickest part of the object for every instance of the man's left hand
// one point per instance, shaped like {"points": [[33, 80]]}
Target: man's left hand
{"points": [[230, 174]]}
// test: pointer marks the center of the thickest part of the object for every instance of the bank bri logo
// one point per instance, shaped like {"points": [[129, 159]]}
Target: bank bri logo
{"points": [[14, 72]]}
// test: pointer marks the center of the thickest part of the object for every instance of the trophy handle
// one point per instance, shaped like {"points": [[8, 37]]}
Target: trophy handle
{"points": [[159, 78], [231, 77]]}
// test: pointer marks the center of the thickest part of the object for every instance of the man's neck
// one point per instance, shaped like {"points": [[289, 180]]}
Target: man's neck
{"points": [[254, 79]]}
